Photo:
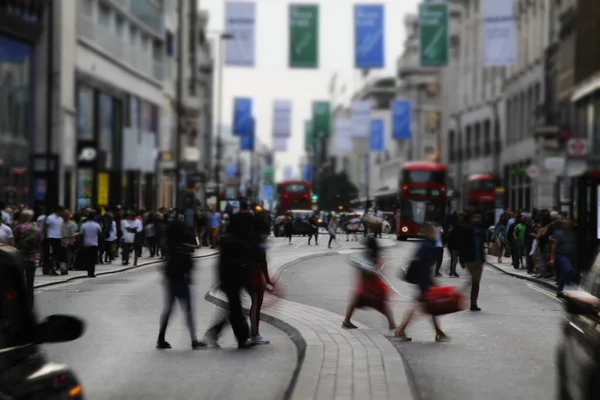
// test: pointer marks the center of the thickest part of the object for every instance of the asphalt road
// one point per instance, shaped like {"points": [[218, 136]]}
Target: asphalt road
{"points": [[117, 359], [505, 351]]}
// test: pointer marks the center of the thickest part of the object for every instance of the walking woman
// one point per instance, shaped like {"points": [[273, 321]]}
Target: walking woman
{"points": [[28, 239], [288, 227], [425, 258], [499, 237], [332, 228]]}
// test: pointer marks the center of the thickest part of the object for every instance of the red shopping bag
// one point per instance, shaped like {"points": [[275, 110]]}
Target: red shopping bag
{"points": [[440, 300]]}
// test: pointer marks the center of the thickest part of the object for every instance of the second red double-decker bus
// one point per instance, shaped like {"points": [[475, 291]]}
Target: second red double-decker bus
{"points": [[294, 195], [423, 197], [481, 191]]}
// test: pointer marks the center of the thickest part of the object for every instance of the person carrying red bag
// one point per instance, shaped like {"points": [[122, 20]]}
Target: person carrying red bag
{"points": [[425, 258]]}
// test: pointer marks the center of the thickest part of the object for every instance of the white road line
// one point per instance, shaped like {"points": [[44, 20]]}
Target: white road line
{"points": [[299, 245], [544, 292]]}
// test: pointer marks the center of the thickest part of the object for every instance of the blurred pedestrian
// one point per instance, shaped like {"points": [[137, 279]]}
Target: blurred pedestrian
{"points": [[69, 240], [215, 226], [288, 226], [53, 233], [6, 234], [91, 233], [313, 228], [332, 229], [420, 275], [178, 278], [28, 240], [562, 253], [130, 226], [472, 252]]}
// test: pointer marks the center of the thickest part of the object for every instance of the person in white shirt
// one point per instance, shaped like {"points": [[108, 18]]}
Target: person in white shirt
{"points": [[129, 227], [91, 232], [6, 234], [110, 243], [53, 233], [4, 216], [439, 246]]}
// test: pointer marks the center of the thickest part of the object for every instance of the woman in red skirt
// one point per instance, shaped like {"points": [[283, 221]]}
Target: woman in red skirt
{"points": [[372, 291]]}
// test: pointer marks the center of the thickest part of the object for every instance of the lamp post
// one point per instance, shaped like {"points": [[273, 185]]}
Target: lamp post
{"points": [[219, 143]]}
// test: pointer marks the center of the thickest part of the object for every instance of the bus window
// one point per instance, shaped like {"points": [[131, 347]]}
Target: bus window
{"points": [[296, 188], [423, 177], [420, 212], [482, 185]]}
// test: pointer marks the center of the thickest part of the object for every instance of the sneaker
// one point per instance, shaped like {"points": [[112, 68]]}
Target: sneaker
{"points": [[163, 345], [442, 337], [197, 344], [438, 275], [247, 345], [349, 325], [475, 308], [259, 340], [211, 341]]}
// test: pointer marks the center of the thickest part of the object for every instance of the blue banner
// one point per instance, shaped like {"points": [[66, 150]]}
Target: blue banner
{"points": [[247, 141], [308, 173], [369, 26], [402, 119], [233, 171], [377, 142], [269, 192], [242, 115]]}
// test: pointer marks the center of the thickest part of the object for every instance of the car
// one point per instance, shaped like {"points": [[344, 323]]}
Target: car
{"points": [[25, 372], [578, 354]]}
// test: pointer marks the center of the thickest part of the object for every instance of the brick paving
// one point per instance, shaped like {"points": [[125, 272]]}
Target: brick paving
{"points": [[336, 363]]}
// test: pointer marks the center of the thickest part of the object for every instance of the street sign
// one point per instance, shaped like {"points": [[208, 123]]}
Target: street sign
{"points": [[554, 163], [533, 171], [577, 147]]}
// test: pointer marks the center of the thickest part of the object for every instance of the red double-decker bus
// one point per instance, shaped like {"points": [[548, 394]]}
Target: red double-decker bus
{"points": [[423, 197], [294, 195], [481, 191]]}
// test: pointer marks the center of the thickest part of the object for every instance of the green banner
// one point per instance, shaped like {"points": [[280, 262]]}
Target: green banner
{"points": [[321, 114], [304, 36], [269, 175], [310, 139], [434, 26]]}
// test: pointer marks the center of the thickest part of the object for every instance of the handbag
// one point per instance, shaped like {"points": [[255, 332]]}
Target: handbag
{"points": [[442, 300], [410, 274]]}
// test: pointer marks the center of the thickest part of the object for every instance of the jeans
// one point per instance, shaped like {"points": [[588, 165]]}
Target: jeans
{"points": [[177, 289], [565, 268], [453, 260], [128, 248], [475, 268]]}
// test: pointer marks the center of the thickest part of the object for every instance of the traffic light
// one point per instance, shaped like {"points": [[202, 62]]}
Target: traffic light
{"points": [[315, 198]]}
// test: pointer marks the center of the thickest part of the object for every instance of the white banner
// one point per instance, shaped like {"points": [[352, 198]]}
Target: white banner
{"points": [[288, 173], [343, 135], [282, 119], [361, 119], [500, 33], [280, 144], [240, 21]]}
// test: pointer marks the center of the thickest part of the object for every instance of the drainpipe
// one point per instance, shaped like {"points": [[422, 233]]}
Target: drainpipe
{"points": [[51, 186]]}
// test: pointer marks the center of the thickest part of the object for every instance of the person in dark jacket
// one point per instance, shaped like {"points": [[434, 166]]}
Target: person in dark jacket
{"points": [[472, 252], [453, 241], [178, 278], [313, 229]]}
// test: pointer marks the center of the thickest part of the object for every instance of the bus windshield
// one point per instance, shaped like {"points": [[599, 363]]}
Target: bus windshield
{"points": [[296, 188], [419, 211], [482, 185], [412, 176]]}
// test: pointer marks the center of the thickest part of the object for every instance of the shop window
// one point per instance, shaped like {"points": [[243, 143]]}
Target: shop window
{"points": [[468, 143], [451, 146], [477, 140], [85, 113], [527, 194], [487, 141]]}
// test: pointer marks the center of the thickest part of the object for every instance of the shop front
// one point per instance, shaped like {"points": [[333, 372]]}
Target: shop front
{"points": [[20, 29], [518, 186], [99, 129]]}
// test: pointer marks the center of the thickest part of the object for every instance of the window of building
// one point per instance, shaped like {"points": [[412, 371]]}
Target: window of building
{"points": [[451, 146], [487, 139], [477, 140], [88, 7], [85, 113], [595, 138], [133, 35], [170, 44], [157, 50], [468, 144], [104, 15], [145, 43], [119, 25]]}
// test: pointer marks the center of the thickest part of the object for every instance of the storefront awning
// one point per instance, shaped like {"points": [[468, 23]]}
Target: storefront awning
{"points": [[586, 88]]}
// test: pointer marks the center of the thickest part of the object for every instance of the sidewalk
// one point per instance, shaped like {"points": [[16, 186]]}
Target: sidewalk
{"points": [[42, 280], [333, 362], [508, 269]]}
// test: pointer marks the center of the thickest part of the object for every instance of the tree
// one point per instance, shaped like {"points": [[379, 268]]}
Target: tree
{"points": [[335, 190]]}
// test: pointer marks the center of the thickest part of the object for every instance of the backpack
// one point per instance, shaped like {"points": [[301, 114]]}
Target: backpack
{"points": [[28, 243]]}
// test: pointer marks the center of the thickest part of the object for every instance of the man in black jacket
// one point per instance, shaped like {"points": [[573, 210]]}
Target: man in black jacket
{"points": [[178, 271], [472, 252]]}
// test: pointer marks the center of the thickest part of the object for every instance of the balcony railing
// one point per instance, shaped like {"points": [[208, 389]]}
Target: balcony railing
{"points": [[115, 46], [146, 11]]}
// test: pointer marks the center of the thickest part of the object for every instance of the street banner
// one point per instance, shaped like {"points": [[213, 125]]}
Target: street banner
{"points": [[269, 176], [288, 173], [240, 22], [361, 119], [321, 112], [402, 111], [280, 145], [269, 192], [304, 36], [378, 137], [242, 115], [500, 33], [434, 24], [248, 141], [308, 173], [310, 139], [232, 171], [282, 119], [343, 136], [369, 28]]}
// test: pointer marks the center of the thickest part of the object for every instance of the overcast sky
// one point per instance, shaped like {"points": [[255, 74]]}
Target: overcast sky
{"points": [[272, 78]]}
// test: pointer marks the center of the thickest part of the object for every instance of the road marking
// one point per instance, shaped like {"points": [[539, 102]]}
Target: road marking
{"points": [[544, 292], [298, 245]]}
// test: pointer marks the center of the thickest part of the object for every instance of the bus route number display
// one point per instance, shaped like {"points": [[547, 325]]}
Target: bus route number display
{"points": [[425, 192]]}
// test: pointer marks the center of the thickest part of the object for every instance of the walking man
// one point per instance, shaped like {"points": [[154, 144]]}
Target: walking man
{"points": [[53, 233], [178, 278], [313, 223], [472, 252], [130, 227], [91, 232]]}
